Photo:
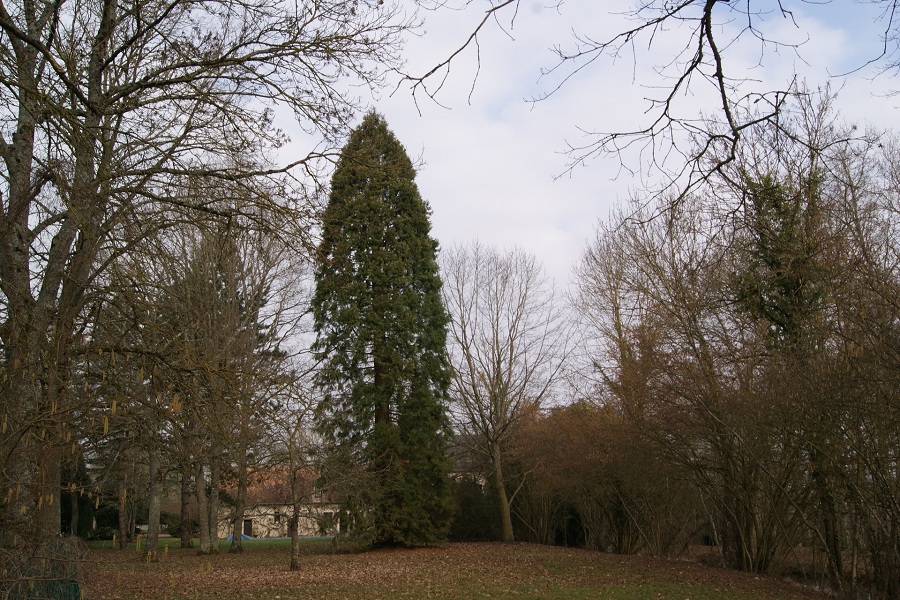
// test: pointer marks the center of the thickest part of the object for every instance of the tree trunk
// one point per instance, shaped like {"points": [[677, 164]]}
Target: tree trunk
{"points": [[19, 344], [502, 499], [153, 502], [213, 505], [295, 453], [187, 528], [50, 477], [123, 513], [832, 532], [827, 504], [202, 509], [237, 520], [295, 539]]}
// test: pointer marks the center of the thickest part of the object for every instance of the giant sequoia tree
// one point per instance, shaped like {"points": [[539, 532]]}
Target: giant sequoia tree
{"points": [[381, 332]]}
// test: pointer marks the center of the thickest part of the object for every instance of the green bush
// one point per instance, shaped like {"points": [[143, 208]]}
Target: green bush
{"points": [[477, 516]]}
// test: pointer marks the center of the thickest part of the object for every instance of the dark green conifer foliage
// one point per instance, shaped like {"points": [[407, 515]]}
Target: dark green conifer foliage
{"points": [[381, 332]]}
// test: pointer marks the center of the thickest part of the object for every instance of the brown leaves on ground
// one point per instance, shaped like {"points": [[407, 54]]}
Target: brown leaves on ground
{"points": [[451, 570]]}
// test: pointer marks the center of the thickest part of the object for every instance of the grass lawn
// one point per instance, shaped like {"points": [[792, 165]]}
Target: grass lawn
{"points": [[447, 571]]}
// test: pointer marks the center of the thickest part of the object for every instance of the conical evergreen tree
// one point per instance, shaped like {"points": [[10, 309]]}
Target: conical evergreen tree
{"points": [[381, 332]]}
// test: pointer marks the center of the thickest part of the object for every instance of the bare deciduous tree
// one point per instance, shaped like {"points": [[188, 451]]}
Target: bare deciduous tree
{"points": [[747, 335], [509, 342]]}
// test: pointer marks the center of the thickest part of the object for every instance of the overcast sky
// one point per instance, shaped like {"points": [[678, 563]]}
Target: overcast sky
{"points": [[493, 160]]}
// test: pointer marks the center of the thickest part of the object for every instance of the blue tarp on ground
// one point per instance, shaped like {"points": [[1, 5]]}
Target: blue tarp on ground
{"points": [[243, 537]]}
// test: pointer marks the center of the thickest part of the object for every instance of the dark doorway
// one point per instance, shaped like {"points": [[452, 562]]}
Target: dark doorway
{"points": [[248, 527]]}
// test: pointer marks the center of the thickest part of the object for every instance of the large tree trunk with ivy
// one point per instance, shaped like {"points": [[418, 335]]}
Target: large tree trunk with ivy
{"points": [[786, 286]]}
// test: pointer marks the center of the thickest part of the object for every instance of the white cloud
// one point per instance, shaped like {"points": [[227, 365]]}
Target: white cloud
{"points": [[491, 163]]}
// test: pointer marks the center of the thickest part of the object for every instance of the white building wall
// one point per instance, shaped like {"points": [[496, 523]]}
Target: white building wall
{"points": [[271, 521]]}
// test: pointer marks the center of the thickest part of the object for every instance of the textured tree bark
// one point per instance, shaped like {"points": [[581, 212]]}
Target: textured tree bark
{"points": [[18, 449], [202, 509], [213, 504], [295, 539], [237, 520], [123, 513], [49, 476], [187, 527], [502, 498], [153, 504]]}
